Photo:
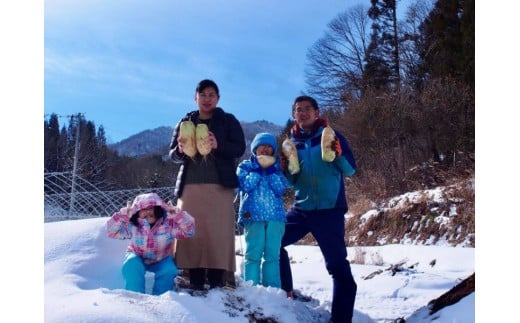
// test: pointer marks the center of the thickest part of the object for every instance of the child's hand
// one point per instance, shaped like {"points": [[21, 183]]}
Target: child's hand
{"points": [[127, 211], [270, 170], [143, 222], [172, 210], [257, 170], [255, 166]]}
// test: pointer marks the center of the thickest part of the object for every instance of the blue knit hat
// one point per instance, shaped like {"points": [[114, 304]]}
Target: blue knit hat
{"points": [[263, 138]]}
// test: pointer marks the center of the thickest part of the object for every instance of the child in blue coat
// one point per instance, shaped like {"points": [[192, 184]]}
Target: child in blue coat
{"points": [[262, 211]]}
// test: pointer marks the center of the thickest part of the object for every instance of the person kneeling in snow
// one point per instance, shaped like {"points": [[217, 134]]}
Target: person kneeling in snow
{"points": [[152, 227]]}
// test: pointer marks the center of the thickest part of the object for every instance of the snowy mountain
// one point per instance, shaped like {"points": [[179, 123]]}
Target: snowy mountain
{"points": [[157, 141], [145, 142]]}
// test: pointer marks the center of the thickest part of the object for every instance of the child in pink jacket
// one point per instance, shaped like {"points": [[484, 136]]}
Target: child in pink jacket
{"points": [[152, 226]]}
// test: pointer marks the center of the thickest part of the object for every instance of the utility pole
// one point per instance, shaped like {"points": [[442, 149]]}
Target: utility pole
{"points": [[75, 165]]}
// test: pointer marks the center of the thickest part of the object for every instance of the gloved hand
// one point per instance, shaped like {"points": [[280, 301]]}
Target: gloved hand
{"points": [[255, 166], [270, 170], [172, 211], [143, 222], [336, 145], [127, 211]]}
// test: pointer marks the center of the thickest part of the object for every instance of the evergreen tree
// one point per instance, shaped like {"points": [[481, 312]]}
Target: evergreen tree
{"points": [[287, 129], [101, 137], [382, 62], [50, 142], [448, 47], [63, 151], [467, 26], [91, 164]]}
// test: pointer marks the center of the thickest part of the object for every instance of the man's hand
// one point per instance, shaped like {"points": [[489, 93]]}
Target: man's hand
{"points": [[284, 163], [336, 145]]}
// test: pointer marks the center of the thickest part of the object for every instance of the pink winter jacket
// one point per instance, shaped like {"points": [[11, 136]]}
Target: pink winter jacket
{"points": [[156, 243]]}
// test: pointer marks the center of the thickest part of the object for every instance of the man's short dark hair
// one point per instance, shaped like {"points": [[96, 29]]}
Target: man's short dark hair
{"points": [[206, 83], [306, 98]]}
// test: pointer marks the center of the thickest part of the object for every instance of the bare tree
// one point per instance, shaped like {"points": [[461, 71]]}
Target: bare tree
{"points": [[410, 38], [335, 62]]}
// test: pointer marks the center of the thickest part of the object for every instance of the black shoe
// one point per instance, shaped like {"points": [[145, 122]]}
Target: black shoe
{"points": [[215, 277], [298, 296], [196, 287], [216, 285], [197, 292]]}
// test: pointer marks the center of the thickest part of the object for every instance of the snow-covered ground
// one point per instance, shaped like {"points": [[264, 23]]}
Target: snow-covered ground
{"points": [[83, 283]]}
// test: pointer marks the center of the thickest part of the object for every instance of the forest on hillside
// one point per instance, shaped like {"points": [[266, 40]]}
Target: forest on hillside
{"points": [[402, 92]]}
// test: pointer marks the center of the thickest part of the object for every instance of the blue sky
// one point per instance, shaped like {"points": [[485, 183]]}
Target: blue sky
{"points": [[133, 65]]}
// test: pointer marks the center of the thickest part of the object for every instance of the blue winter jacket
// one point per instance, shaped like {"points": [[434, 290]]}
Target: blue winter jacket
{"points": [[319, 184], [260, 194]]}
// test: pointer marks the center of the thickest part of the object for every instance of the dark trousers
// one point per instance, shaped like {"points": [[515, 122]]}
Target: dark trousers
{"points": [[198, 277], [328, 228]]}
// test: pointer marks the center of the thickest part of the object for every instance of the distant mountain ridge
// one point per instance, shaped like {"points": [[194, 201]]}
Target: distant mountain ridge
{"points": [[157, 141]]}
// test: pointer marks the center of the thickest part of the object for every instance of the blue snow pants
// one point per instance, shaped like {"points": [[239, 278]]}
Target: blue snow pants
{"points": [[263, 241], [134, 270], [328, 228]]}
